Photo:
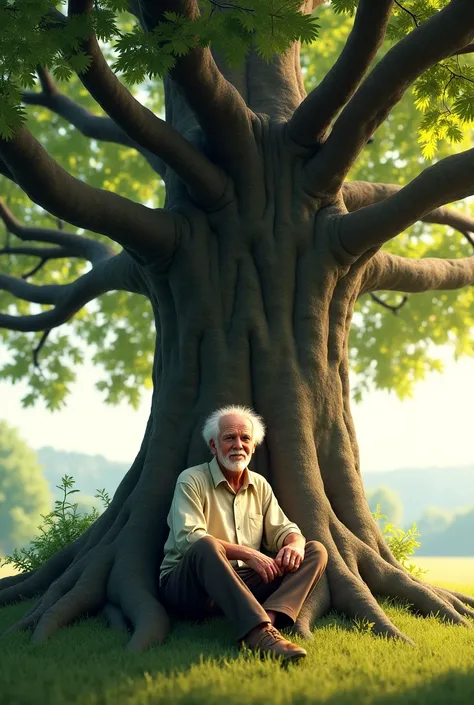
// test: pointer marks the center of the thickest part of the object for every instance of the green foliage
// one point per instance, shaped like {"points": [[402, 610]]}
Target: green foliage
{"points": [[60, 527], [24, 493], [402, 544], [32, 34]]}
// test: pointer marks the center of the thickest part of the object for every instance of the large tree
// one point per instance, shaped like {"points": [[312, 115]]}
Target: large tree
{"points": [[252, 270]]}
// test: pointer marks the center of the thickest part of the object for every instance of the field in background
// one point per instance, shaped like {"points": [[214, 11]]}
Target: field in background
{"points": [[447, 569]]}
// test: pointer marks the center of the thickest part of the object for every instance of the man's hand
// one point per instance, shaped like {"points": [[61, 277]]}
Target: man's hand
{"points": [[265, 566], [289, 557]]}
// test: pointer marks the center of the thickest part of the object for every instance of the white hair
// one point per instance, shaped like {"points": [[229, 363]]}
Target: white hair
{"points": [[211, 426]]}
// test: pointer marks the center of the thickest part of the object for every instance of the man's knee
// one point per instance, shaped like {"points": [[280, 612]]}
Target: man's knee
{"points": [[205, 546], [317, 551]]}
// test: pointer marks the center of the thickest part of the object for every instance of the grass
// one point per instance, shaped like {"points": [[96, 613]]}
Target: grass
{"points": [[86, 664]]}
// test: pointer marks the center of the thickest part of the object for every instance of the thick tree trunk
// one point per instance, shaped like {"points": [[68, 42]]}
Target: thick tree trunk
{"points": [[254, 308]]}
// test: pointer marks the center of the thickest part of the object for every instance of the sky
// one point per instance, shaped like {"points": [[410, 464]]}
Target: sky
{"points": [[433, 429]]}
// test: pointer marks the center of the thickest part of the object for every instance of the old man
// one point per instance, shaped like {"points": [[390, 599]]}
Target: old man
{"points": [[220, 516]]}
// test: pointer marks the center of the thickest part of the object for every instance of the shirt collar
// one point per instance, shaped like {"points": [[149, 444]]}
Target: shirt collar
{"points": [[218, 476]]}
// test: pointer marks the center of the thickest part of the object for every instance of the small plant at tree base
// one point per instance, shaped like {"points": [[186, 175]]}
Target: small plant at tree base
{"points": [[363, 625], [402, 544], [63, 525]]}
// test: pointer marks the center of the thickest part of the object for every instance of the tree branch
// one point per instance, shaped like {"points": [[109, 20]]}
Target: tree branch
{"points": [[222, 113], [394, 308], [359, 194], [52, 187], [5, 171], [103, 129], [46, 294], [69, 244], [390, 272], [118, 272], [434, 40], [44, 253], [468, 49], [38, 348], [204, 180], [449, 180], [313, 117]]}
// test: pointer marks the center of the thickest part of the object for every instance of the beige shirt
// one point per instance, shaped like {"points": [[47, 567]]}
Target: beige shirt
{"points": [[204, 504]]}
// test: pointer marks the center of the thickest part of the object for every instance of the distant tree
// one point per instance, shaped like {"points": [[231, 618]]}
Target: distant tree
{"points": [[24, 493], [434, 521], [457, 539], [390, 502]]}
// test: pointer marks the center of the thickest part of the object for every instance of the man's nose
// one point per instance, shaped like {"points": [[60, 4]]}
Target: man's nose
{"points": [[238, 443]]}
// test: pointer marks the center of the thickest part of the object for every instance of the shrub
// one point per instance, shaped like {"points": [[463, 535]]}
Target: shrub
{"points": [[402, 544], [63, 525]]}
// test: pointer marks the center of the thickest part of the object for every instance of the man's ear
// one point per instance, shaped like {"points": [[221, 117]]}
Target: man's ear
{"points": [[212, 446]]}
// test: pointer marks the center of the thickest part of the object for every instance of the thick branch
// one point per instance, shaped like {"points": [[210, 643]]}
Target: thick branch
{"points": [[5, 171], [103, 129], [468, 49], [47, 294], [45, 253], [69, 244], [119, 272], [205, 181], [359, 194], [52, 187], [449, 180], [219, 108], [311, 120], [436, 39], [386, 271]]}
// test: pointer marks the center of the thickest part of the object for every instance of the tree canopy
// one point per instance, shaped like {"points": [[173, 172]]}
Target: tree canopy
{"points": [[24, 492], [387, 351]]}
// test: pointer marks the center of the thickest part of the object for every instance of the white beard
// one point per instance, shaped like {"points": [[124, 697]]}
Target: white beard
{"points": [[232, 464]]}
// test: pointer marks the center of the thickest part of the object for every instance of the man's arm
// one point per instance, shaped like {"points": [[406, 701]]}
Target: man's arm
{"points": [[265, 566]]}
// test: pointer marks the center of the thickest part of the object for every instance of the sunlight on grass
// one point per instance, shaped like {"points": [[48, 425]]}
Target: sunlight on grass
{"points": [[88, 664]]}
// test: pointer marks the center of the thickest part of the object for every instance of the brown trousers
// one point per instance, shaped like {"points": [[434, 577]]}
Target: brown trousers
{"points": [[204, 583]]}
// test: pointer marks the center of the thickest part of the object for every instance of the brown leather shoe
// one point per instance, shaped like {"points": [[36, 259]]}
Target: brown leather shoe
{"points": [[269, 640]]}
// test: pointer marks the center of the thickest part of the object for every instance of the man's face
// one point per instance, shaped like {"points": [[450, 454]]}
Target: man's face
{"points": [[234, 446]]}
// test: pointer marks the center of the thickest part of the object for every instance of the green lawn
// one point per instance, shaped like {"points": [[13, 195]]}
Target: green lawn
{"points": [[87, 664]]}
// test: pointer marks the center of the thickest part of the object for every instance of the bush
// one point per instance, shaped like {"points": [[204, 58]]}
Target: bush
{"points": [[63, 525], [402, 544]]}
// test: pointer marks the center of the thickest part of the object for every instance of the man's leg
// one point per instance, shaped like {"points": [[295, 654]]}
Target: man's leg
{"points": [[285, 596], [203, 574]]}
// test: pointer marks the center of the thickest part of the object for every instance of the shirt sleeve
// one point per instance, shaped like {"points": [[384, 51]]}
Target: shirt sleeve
{"points": [[276, 525], [187, 521]]}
